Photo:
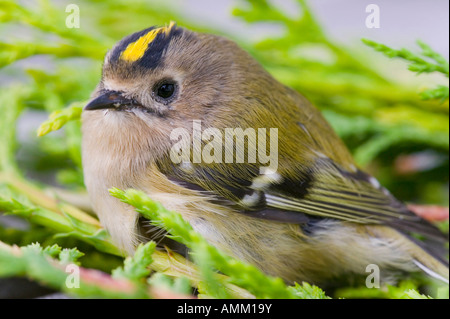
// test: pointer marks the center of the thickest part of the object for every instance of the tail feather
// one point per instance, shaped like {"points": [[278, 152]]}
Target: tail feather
{"points": [[432, 273], [429, 257]]}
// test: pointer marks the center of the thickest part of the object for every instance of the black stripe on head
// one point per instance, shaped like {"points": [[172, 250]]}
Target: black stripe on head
{"points": [[153, 55], [123, 44]]}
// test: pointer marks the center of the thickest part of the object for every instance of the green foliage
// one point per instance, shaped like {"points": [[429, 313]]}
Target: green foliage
{"points": [[32, 262], [59, 118], [72, 255], [10, 108], [413, 294], [441, 92], [180, 285], [136, 267], [378, 118], [443, 292], [419, 65], [404, 290], [307, 291], [63, 224], [240, 273], [48, 266]]}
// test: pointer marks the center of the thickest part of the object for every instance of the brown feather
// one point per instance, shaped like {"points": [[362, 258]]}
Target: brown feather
{"points": [[336, 220]]}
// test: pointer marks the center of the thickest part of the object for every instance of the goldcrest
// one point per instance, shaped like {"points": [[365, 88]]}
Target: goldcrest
{"points": [[166, 118]]}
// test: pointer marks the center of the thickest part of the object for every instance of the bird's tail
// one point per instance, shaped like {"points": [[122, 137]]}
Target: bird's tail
{"points": [[428, 256], [440, 271]]}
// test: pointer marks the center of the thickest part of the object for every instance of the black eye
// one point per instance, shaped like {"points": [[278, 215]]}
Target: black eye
{"points": [[165, 90]]}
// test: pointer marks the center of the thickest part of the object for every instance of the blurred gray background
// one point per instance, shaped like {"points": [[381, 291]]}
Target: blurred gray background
{"points": [[402, 21]]}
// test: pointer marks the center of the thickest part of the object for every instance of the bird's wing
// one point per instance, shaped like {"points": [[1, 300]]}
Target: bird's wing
{"points": [[322, 191]]}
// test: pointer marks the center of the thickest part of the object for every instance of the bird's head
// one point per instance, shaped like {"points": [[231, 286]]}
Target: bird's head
{"points": [[172, 74]]}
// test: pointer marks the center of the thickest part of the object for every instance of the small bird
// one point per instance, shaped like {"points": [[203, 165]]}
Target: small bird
{"points": [[311, 216]]}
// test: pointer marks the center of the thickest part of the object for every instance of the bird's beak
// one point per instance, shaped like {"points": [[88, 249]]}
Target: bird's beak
{"points": [[108, 100]]}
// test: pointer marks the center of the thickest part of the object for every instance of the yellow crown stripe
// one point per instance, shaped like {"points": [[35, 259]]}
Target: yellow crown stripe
{"points": [[171, 25], [136, 49]]}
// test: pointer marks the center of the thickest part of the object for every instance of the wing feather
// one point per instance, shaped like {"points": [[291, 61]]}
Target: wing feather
{"points": [[324, 191]]}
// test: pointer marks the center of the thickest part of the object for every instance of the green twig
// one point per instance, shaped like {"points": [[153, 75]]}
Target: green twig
{"points": [[240, 273]]}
